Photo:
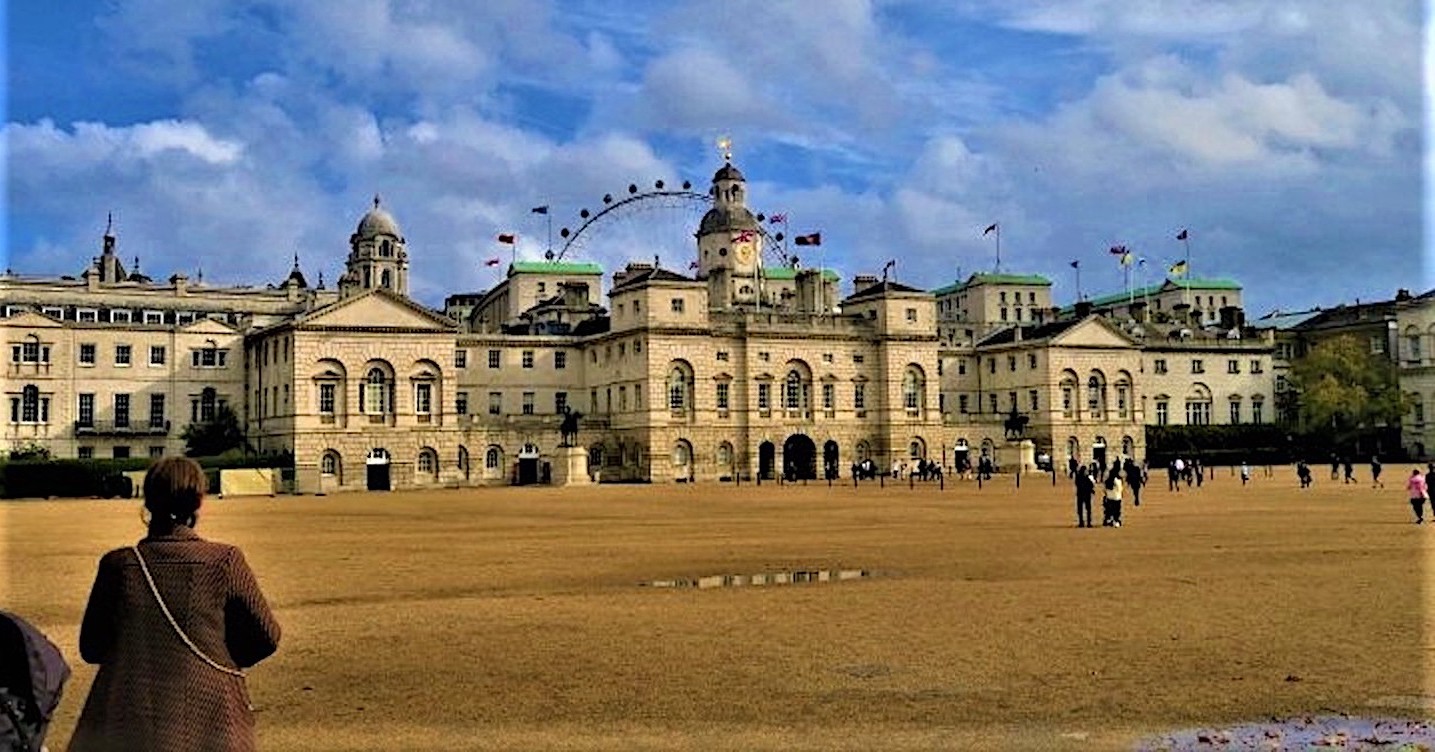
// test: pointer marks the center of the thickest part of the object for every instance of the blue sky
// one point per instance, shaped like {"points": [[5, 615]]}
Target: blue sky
{"points": [[227, 136]]}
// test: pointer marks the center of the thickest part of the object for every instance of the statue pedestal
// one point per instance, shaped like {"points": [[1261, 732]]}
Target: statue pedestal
{"points": [[1026, 455], [570, 467]]}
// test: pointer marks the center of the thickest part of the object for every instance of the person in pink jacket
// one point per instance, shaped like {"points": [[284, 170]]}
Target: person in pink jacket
{"points": [[1419, 492]]}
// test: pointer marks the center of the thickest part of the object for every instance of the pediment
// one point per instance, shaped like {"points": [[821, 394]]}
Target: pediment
{"points": [[32, 320], [377, 310], [208, 326], [1092, 332]]}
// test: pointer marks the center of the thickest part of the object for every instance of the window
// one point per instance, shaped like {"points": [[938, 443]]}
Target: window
{"points": [[87, 315], [1163, 413], [375, 394], [722, 355], [764, 356], [121, 452], [207, 405], [1121, 393], [156, 355], [723, 395], [1256, 408], [208, 357], [859, 397], [677, 389], [326, 399], [495, 403], [1198, 413], [829, 397], [460, 403], [1159, 366], [491, 458], [1233, 366], [1011, 362], [963, 404], [858, 359], [912, 315], [119, 317], [1377, 344], [1003, 313], [792, 391], [30, 407], [1281, 384], [1018, 313], [1030, 297], [677, 304], [122, 411], [1003, 297], [154, 317], [156, 411], [1067, 398], [423, 399], [55, 312], [826, 357], [122, 355], [329, 464], [460, 359], [560, 360], [764, 396], [85, 414], [1235, 412], [494, 358], [912, 391], [155, 452], [527, 358], [1197, 366], [992, 403], [87, 354], [1031, 360], [528, 403], [961, 366], [1256, 367], [623, 398], [86, 453], [1034, 398], [560, 402], [426, 457]]}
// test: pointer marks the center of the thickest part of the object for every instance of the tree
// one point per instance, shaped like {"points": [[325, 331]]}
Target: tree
{"points": [[215, 437], [1344, 388]]}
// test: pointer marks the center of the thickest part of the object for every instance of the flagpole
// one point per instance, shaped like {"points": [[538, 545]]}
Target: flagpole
{"points": [[999, 248], [1186, 243]]}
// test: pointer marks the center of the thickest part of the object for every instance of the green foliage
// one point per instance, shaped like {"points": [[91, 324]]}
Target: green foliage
{"points": [[30, 451], [215, 437], [86, 478], [1344, 388], [1219, 445]]}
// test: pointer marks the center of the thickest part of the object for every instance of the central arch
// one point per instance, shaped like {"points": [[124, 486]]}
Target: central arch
{"points": [[799, 458]]}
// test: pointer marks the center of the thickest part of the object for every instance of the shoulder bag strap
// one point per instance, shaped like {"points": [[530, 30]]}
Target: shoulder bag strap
{"points": [[167, 615]]}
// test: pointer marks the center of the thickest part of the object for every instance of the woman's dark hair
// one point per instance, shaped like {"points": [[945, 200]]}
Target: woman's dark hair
{"points": [[173, 488]]}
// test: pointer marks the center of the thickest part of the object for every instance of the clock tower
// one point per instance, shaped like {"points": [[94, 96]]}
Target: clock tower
{"points": [[729, 242]]}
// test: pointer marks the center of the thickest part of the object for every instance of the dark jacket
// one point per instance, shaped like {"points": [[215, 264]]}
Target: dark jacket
{"points": [[152, 692], [1085, 487], [32, 678]]}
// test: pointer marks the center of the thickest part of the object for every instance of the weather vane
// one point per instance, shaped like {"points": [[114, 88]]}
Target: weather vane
{"points": [[724, 145]]}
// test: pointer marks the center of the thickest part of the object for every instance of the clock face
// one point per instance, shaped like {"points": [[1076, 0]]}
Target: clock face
{"points": [[744, 252]]}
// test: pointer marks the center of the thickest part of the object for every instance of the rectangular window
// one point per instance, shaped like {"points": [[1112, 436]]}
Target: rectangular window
{"points": [[963, 404], [560, 402], [54, 312], [495, 403], [677, 304], [121, 452], [1163, 413], [460, 359], [460, 403], [764, 396], [1159, 366], [423, 399], [764, 356], [1034, 397], [1197, 366], [87, 315], [826, 357], [858, 359], [326, 398], [87, 355], [1198, 413], [527, 358], [560, 360], [494, 358], [122, 411], [1377, 344], [961, 366], [528, 403], [86, 413], [1256, 367], [1256, 407], [1011, 362], [912, 315], [1233, 366], [992, 403], [122, 355], [156, 411], [86, 453], [1235, 412], [722, 355], [119, 317], [183, 318], [723, 395], [156, 355], [829, 397], [1031, 360], [1004, 313], [991, 365], [623, 399], [154, 318]]}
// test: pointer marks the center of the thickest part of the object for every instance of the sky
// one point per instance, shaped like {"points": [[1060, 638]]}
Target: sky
{"points": [[226, 137]]}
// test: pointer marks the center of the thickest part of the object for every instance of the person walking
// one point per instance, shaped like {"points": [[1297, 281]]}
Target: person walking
{"points": [[1430, 479], [1302, 471], [1111, 499], [1245, 472], [1085, 490], [1136, 479], [1349, 471], [1334, 467], [1173, 478], [1375, 468], [1418, 492], [1071, 465], [171, 622]]}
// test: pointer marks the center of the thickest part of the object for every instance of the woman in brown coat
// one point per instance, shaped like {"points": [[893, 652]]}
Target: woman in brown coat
{"points": [[169, 674]]}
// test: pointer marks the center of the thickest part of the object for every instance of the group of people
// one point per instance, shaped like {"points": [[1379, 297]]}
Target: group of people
{"points": [[172, 622], [1181, 470], [1121, 476]]}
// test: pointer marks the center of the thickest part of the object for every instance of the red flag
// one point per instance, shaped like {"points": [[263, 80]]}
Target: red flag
{"points": [[507, 237], [743, 236], [778, 219], [492, 262], [1181, 235], [990, 227], [813, 239]]}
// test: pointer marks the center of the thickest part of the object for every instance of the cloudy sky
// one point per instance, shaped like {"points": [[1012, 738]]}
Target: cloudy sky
{"points": [[227, 136]]}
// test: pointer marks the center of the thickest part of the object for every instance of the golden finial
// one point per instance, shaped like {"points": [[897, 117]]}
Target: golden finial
{"points": [[724, 145]]}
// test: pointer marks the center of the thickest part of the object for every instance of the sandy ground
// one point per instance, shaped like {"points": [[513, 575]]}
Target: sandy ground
{"points": [[519, 618]]}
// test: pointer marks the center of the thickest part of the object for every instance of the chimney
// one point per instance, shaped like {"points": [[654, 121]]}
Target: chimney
{"points": [[809, 286], [1083, 309], [1016, 333], [863, 281], [1232, 317]]}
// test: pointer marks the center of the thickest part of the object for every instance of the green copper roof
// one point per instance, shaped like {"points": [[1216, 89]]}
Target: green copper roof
{"points": [[1206, 284], [992, 278], [1139, 293], [788, 273], [555, 267]]}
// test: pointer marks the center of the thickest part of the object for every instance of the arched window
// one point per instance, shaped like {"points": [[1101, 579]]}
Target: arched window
{"points": [[1068, 394], [1096, 396], [724, 454], [678, 383], [385, 249], [428, 461], [682, 453], [208, 404], [792, 391], [916, 450], [463, 460], [330, 463], [386, 280], [1198, 406], [492, 458], [913, 390], [376, 392]]}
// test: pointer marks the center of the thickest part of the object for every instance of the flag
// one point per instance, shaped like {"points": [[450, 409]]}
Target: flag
{"points": [[813, 239], [692, 264], [507, 237], [1177, 269], [1141, 261], [1127, 259], [990, 227], [540, 209], [492, 262], [1182, 235], [1118, 250], [743, 237], [1076, 265], [778, 219]]}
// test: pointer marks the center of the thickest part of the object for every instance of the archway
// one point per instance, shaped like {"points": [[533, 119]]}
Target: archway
{"points": [[463, 463], [683, 460], [766, 460], [799, 458], [377, 470], [1098, 453], [962, 456], [528, 465], [830, 460]]}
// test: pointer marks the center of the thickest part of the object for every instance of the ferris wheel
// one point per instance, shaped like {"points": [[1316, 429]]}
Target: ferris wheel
{"points": [[658, 221]]}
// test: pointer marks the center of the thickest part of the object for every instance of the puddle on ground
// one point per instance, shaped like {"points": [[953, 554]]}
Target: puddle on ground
{"points": [[1308, 732], [793, 577]]}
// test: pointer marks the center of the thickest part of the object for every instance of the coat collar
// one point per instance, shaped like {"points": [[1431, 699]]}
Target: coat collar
{"points": [[178, 532]]}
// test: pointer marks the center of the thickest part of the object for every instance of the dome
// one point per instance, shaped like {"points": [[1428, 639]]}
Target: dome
{"points": [[728, 172], [727, 218], [377, 222]]}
